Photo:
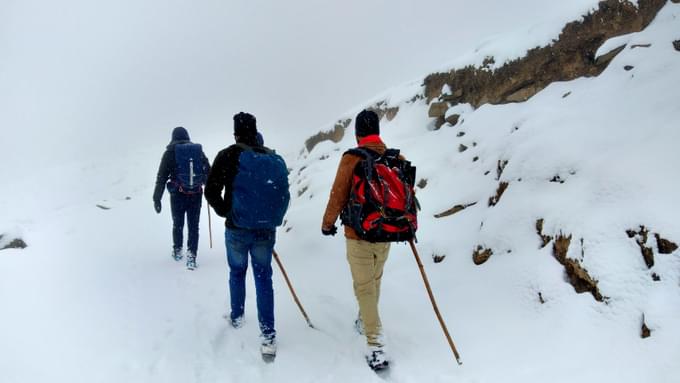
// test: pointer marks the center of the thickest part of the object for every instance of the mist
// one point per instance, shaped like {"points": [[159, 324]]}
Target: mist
{"points": [[83, 79]]}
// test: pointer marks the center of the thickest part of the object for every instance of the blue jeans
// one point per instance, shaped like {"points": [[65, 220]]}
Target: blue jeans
{"points": [[260, 245], [189, 205]]}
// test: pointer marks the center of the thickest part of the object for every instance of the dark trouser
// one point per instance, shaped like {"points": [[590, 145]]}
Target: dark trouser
{"points": [[260, 245], [189, 204]]}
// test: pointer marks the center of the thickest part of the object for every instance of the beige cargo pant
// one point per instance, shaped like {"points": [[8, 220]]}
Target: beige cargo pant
{"points": [[366, 262]]}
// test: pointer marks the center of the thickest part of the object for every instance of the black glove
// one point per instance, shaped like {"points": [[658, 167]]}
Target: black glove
{"points": [[157, 206], [329, 231]]}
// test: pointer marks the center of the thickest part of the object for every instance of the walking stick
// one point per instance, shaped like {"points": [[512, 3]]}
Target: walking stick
{"points": [[290, 287], [209, 227], [434, 304]]}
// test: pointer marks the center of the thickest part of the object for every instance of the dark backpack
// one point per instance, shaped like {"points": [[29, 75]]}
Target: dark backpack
{"points": [[190, 173], [382, 203], [260, 193]]}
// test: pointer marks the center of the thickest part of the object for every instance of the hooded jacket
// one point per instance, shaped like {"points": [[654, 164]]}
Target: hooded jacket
{"points": [[168, 167]]}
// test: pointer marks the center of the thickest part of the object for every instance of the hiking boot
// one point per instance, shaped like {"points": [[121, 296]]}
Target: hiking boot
{"points": [[236, 322], [377, 358], [177, 254], [191, 261], [268, 348]]}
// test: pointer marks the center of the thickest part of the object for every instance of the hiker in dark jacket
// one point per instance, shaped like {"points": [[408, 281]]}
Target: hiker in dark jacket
{"points": [[220, 191], [183, 201]]}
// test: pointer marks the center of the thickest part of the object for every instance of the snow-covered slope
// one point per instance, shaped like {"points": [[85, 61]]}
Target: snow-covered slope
{"points": [[96, 297]]}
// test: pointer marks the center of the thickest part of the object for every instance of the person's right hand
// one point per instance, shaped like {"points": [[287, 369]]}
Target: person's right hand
{"points": [[157, 206], [332, 230]]}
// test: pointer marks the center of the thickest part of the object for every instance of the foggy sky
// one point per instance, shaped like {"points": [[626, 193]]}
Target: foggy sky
{"points": [[81, 77]]}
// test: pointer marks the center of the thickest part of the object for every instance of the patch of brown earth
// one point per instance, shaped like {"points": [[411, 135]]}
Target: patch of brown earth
{"points": [[577, 276], [481, 255], [493, 201], [454, 210], [645, 332], [665, 246], [571, 56]]}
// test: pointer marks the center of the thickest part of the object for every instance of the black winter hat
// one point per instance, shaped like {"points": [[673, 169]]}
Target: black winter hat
{"points": [[245, 125], [366, 123]]}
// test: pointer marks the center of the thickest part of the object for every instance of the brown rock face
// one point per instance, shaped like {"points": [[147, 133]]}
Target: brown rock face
{"points": [[570, 57], [641, 237], [545, 239], [334, 135], [576, 274], [645, 332], [481, 255], [437, 109]]}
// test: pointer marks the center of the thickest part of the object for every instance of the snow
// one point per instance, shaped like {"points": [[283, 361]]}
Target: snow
{"points": [[97, 297]]}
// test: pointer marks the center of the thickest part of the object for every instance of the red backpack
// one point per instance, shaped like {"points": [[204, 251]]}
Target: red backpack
{"points": [[382, 203]]}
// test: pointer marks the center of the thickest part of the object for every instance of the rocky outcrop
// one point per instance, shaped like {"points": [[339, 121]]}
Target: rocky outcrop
{"points": [[577, 276], [642, 237], [336, 135], [571, 56], [481, 255], [493, 201], [454, 210], [545, 239], [16, 243], [676, 45]]}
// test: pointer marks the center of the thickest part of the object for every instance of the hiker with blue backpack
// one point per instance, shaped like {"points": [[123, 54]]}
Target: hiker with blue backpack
{"points": [[248, 186], [183, 171]]}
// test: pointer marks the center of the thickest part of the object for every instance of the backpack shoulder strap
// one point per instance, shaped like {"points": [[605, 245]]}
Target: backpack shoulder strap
{"points": [[258, 149], [362, 152], [392, 153]]}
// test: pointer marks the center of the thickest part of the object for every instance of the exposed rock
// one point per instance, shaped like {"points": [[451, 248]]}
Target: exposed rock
{"points": [[493, 201], [571, 56], [422, 183], [665, 246], [676, 44], [128, 198], [500, 167], [454, 210], [566, 95], [641, 237], [103, 207], [557, 179], [462, 148], [656, 277], [453, 119], [460, 134], [16, 243], [382, 110], [645, 332], [334, 135], [437, 258], [302, 191], [577, 276], [475, 159], [438, 109], [628, 67], [640, 46], [481, 255], [545, 239], [540, 298]]}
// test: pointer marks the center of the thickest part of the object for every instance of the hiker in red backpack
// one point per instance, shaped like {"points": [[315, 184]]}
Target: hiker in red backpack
{"points": [[183, 170], [373, 189]]}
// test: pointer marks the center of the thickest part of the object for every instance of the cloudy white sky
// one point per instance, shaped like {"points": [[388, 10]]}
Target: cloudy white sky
{"points": [[81, 77]]}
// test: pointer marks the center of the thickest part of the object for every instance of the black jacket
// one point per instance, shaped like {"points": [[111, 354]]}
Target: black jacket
{"points": [[168, 168], [219, 187]]}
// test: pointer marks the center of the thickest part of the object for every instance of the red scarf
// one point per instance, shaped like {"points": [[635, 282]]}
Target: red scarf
{"points": [[372, 139]]}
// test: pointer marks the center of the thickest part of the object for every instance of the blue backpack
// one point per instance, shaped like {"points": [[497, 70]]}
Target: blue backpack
{"points": [[190, 175], [260, 193]]}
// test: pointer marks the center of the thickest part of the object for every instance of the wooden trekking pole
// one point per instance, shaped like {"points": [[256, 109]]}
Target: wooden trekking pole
{"points": [[290, 287], [434, 304], [209, 227]]}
